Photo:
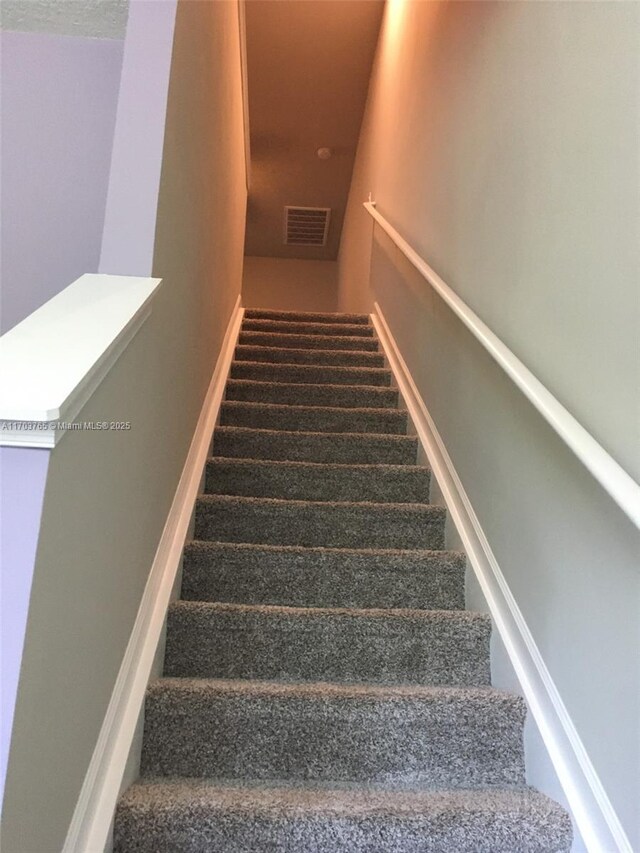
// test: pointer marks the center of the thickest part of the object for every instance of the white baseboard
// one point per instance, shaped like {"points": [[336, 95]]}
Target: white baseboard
{"points": [[91, 821], [591, 808]]}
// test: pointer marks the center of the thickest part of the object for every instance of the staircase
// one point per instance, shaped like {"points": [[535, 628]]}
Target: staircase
{"points": [[324, 689]]}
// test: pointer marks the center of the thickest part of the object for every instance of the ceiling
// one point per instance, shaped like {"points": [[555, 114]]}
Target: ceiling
{"points": [[94, 18], [308, 67]]}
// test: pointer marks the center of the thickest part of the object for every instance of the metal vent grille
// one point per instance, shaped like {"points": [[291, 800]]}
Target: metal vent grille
{"points": [[306, 226]]}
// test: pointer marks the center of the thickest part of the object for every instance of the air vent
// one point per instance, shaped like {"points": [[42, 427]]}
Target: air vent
{"points": [[306, 226]]}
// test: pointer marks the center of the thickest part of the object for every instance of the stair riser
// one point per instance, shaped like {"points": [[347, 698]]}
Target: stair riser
{"points": [[203, 826], [306, 317], [304, 356], [300, 577], [335, 396], [354, 330], [313, 418], [315, 447], [317, 483], [305, 374], [317, 524], [279, 645], [325, 342], [459, 742]]}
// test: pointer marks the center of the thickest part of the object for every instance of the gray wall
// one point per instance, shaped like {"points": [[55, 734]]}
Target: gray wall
{"points": [[94, 18], [59, 97], [501, 140], [290, 284], [108, 493]]}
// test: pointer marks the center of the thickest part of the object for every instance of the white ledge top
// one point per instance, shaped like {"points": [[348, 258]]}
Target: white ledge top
{"points": [[53, 360]]}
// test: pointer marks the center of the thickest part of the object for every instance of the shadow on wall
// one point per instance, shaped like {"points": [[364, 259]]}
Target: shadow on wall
{"points": [[290, 284]]}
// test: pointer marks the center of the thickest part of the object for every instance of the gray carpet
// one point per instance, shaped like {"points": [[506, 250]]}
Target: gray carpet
{"points": [[340, 358], [214, 640], [310, 373], [299, 394], [346, 448], [297, 341], [324, 688], [306, 317], [322, 577], [332, 524], [298, 327], [313, 418], [311, 481], [201, 816]]}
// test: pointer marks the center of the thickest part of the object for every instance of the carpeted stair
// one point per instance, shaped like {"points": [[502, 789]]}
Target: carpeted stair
{"points": [[324, 689]]}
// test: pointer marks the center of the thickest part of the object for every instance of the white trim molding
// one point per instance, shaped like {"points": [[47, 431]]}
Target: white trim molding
{"points": [[90, 825], [53, 361], [592, 810], [612, 477]]}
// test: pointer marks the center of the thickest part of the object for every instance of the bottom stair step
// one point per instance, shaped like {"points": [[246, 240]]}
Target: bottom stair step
{"points": [[196, 816]]}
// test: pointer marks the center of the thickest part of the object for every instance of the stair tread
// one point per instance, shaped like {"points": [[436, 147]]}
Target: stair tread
{"points": [[347, 447], [301, 327], [316, 480], [255, 405], [376, 389], [316, 576], [332, 522], [331, 342], [398, 614], [338, 644], [309, 316], [413, 553], [321, 690], [356, 436], [320, 466], [253, 728], [255, 352], [254, 815], [330, 368], [416, 508], [338, 797], [301, 393], [240, 518], [302, 418], [311, 372]]}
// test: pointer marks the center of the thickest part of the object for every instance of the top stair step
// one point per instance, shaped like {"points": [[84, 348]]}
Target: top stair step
{"points": [[306, 316], [352, 330]]}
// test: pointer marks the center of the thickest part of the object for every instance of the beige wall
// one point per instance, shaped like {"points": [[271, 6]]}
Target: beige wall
{"points": [[290, 284], [308, 77], [501, 140], [108, 492]]}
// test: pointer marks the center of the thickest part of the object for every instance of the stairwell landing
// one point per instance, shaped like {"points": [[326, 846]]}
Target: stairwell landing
{"points": [[324, 688]]}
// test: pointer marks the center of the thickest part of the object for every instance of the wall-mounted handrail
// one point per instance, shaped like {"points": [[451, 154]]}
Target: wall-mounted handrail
{"points": [[612, 477]]}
